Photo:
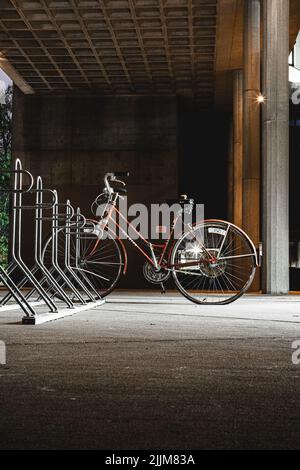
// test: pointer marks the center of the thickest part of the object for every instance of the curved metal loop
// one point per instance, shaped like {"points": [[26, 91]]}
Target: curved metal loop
{"points": [[79, 215], [90, 230], [64, 217], [72, 213], [42, 205], [97, 203], [78, 223], [97, 198], [20, 172], [92, 208]]}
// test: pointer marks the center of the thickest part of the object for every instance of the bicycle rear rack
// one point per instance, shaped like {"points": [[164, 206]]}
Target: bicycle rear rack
{"points": [[60, 287]]}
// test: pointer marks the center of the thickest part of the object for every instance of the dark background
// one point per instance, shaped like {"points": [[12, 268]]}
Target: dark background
{"points": [[169, 145], [294, 192]]}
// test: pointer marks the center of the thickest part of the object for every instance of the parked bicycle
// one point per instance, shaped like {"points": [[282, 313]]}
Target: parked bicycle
{"points": [[212, 262]]}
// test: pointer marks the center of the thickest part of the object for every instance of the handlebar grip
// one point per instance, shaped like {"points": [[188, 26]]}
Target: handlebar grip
{"points": [[121, 174]]}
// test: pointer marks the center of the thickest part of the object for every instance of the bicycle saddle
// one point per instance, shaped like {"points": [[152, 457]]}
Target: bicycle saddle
{"points": [[182, 200]]}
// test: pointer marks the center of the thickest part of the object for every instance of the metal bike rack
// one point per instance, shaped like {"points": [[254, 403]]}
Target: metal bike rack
{"points": [[61, 287]]}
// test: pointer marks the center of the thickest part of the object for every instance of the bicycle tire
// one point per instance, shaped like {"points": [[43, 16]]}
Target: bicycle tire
{"points": [[217, 285]]}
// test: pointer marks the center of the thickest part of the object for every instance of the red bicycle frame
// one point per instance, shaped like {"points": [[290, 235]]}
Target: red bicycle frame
{"points": [[152, 258]]}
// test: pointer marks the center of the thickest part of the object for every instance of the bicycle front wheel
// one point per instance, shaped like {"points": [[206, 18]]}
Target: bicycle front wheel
{"points": [[213, 263], [98, 262]]}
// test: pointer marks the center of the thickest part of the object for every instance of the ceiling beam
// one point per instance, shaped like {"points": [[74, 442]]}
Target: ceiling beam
{"points": [[27, 23], [15, 76]]}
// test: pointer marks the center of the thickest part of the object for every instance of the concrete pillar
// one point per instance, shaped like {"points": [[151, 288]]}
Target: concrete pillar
{"points": [[251, 118], [251, 121], [238, 148], [276, 147]]}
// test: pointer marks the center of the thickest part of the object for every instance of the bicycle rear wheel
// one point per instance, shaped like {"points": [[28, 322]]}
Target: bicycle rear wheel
{"points": [[213, 263]]}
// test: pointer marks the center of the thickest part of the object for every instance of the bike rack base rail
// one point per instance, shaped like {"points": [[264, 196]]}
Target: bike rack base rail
{"points": [[51, 316]]}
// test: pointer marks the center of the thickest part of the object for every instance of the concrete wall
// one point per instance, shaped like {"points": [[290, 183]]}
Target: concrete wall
{"points": [[73, 141]]}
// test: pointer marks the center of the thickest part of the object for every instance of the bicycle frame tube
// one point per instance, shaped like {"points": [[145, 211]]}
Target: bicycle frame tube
{"points": [[152, 259]]}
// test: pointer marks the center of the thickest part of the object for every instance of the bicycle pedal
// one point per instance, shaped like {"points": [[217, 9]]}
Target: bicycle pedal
{"points": [[163, 290]]}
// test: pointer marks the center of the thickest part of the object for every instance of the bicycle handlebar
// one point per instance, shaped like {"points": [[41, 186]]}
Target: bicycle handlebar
{"points": [[112, 177], [121, 174], [121, 190], [106, 182]]}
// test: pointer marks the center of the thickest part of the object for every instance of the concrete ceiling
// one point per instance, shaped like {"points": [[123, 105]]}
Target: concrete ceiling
{"points": [[111, 46], [168, 47]]}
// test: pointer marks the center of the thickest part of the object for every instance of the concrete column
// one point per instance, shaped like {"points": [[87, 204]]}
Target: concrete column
{"points": [[238, 148], [276, 147], [251, 118], [251, 121]]}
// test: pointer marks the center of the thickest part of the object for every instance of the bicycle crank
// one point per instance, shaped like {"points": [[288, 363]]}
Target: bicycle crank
{"points": [[153, 275]]}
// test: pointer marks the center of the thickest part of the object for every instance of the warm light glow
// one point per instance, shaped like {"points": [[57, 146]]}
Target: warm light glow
{"points": [[260, 98]]}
